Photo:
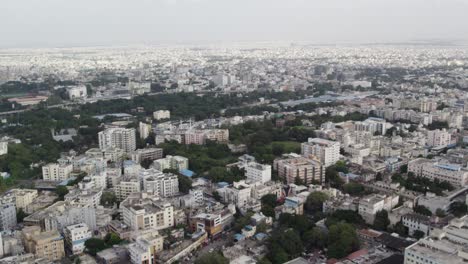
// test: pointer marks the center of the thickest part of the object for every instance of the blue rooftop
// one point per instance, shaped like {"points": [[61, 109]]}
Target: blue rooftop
{"points": [[222, 184], [239, 237], [449, 167], [261, 236], [187, 173], [248, 227]]}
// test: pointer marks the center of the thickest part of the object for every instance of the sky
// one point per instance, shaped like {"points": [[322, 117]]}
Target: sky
{"points": [[63, 23]]}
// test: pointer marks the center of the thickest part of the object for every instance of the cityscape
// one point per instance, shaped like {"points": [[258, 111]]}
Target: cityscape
{"points": [[237, 152]]}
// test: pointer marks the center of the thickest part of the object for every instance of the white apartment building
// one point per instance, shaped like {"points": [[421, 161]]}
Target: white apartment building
{"points": [[416, 222], [373, 125], [144, 129], [445, 245], [371, 204], [76, 236], [77, 92], [171, 162], [141, 212], [427, 106], [123, 138], [20, 197], [454, 174], [3, 148], [56, 172], [438, 138], [239, 194], [256, 172], [161, 114], [7, 217], [146, 248], [327, 151], [126, 187], [158, 183]]}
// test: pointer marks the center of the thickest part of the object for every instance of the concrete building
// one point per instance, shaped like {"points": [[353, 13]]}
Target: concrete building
{"points": [[123, 138], [444, 245], [416, 222], [239, 194], [162, 114], [77, 92], [140, 155], [161, 184], [48, 245], [7, 217], [327, 151], [75, 237], [56, 172], [144, 129], [256, 172], [427, 106], [438, 138], [293, 166], [141, 211], [146, 248], [3, 148], [454, 174], [171, 162], [127, 186], [371, 204], [373, 125], [20, 197]]}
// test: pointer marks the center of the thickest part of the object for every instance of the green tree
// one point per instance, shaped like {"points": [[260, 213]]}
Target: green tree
{"points": [[269, 204], [401, 229], [342, 240], [61, 191], [381, 220], [185, 183], [354, 188], [112, 239], [421, 209], [94, 245], [315, 201], [458, 209], [212, 258], [418, 234], [108, 199], [20, 215], [315, 238]]}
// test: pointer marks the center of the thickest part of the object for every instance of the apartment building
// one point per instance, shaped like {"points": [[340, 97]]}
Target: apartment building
{"points": [[239, 193], [108, 154], [161, 114], [292, 166], [140, 155], [171, 162], [48, 245], [7, 217], [373, 125], [327, 151], [371, 204], [146, 248], [256, 172], [141, 211], [76, 236], [438, 138], [454, 174], [19, 197], [161, 184], [123, 138], [144, 129], [56, 172], [443, 245], [127, 186]]}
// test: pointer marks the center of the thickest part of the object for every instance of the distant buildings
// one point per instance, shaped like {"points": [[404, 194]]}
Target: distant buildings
{"points": [[56, 172], [371, 204], [144, 129], [161, 114], [3, 147], [327, 151], [21, 198], [123, 138], [373, 125], [292, 166]]}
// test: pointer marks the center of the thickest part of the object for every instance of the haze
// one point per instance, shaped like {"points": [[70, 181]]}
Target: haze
{"points": [[57, 23]]}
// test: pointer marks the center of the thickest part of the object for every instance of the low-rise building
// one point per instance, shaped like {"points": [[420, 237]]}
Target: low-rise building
{"points": [[171, 162], [48, 245], [140, 155], [146, 248], [371, 204], [76, 236], [454, 174]]}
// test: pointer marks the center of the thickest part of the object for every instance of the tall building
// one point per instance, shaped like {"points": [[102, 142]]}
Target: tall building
{"points": [[443, 245], [76, 236], [141, 211], [56, 172], [123, 138], [161, 114], [438, 138], [77, 92], [144, 129], [48, 245], [327, 151], [292, 166], [7, 217], [146, 248], [256, 172]]}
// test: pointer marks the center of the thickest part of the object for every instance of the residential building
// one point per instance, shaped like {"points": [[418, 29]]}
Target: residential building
{"points": [[161, 184], [7, 217], [127, 186], [292, 166], [76, 236], [327, 151], [373, 125], [20, 197], [161, 114], [171, 162], [123, 138], [416, 222], [144, 129], [239, 194], [146, 248], [48, 245], [438, 138], [140, 155], [210, 223], [256, 172], [141, 211], [56, 172], [454, 174], [373, 203]]}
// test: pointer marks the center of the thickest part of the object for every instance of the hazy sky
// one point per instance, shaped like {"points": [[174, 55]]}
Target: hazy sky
{"points": [[51, 23]]}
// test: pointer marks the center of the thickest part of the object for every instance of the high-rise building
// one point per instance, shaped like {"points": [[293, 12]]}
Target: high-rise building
{"points": [[123, 138], [144, 129], [76, 236], [256, 172], [56, 172], [327, 151], [7, 217]]}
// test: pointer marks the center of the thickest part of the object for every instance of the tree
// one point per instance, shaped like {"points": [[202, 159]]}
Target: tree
{"points": [[354, 188], [381, 220], [269, 204], [61, 192], [401, 229], [20, 215], [404, 168], [315, 201], [212, 258], [216, 196], [112, 239], [421, 209], [342, 240], [418, 234], [458, 209], [94, 245], [108, 199], [440, 213], [185, 183], [315, 238]]}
